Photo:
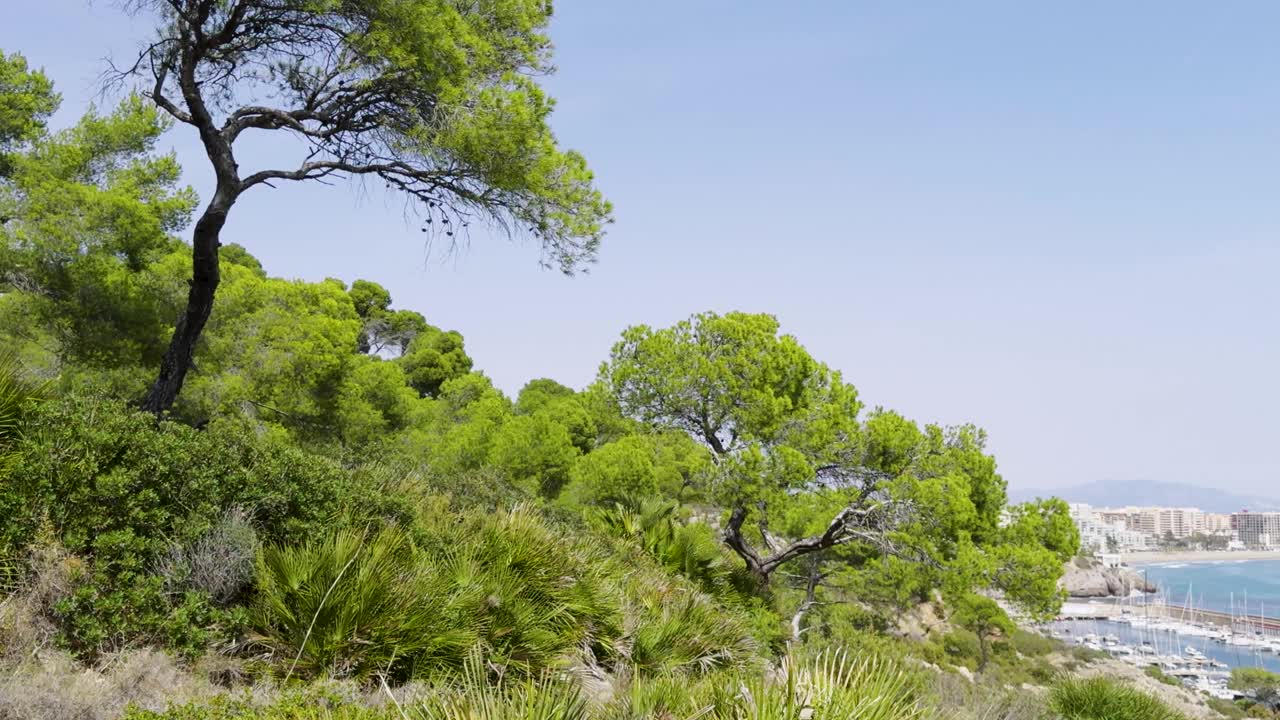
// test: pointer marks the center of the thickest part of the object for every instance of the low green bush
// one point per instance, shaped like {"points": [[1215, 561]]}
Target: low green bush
{"points": [[351, 603], [1105, 699], [962, 648], [1153, 671], [1033, 644], [479, 697], [1226, 708], [300, 705], [677, 630]]}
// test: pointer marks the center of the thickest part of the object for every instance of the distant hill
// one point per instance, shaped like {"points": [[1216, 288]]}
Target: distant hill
{"points": [[1150, 492]]}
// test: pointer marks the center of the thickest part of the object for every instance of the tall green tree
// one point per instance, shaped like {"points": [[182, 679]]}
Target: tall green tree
{"points": [[779, 423], [984, 617], [803, 475], [90, 210], [432, 358], [433, 97], [26, 102]]}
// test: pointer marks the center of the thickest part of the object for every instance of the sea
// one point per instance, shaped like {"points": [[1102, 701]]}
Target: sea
{"points": [[1225, 585], [1220, 585]]}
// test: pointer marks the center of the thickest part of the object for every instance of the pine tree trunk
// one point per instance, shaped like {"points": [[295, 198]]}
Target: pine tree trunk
{"points": [[203, 285]]}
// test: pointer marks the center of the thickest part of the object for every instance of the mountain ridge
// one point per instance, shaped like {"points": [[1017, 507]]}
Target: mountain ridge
{"points": [[1119, 493]]}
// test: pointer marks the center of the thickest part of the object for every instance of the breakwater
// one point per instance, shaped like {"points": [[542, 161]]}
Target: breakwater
{"points": [[1095, 610]]}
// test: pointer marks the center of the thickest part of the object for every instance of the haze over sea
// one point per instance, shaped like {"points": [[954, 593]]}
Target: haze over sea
{"points": [[1214, 585]]}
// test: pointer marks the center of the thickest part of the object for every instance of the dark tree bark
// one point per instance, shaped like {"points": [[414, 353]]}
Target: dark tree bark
{"points": [[205, 239], [810, 598], [205, 276], [871, 524]]}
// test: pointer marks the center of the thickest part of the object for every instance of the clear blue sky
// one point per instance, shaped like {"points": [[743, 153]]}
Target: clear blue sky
{"points": [[1056, 220]]}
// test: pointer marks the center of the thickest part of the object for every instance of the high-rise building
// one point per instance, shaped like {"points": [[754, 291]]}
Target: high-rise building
{"points": [[1217, 524], [1256, 530]]}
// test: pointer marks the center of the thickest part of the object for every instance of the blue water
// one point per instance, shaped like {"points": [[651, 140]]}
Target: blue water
{"points": [[1215, 585]]}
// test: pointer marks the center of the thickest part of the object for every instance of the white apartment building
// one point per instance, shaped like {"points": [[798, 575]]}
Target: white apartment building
{"points": [[1101, 533]]}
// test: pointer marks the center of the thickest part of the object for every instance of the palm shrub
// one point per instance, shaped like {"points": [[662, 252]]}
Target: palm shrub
{"points": [[672, 696], [529, 593], [479, 697], [1104, 699], [675, 629], [355, 603], [349, 605], [830, 686], [689, 549], [15, 393]]}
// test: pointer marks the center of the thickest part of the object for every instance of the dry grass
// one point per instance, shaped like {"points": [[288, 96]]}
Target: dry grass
{"points": [[26, 626], [56, 688], [219, 563]]}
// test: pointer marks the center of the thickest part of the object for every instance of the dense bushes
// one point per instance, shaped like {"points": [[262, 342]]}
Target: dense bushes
{"points": [[134, 498], [94, 468], [826, 687], [508, 586]]}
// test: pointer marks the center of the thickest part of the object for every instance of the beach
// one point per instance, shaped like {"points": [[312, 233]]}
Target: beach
{"points": [[1147, 558]]}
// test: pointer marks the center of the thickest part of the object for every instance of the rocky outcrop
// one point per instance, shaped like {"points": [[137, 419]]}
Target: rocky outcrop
{"points": [[1089, 579]]}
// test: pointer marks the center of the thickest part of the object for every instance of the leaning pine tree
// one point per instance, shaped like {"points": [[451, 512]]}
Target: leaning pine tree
{"points": [[432, 97]]}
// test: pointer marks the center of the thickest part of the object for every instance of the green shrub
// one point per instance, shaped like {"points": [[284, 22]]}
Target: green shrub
{"points": [[1153, 671], [120, 490], [93, 467], [827, 686], [506, 585], [831, 686], [1104, 699], [347, 606], [1226, 708], [477, 697], [1033, 644], [309, 704], [677, 630], [692, 549], [531, 593], [15, 395], [961, 647]]}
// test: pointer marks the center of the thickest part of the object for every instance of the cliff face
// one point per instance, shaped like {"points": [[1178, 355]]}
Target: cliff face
{"points": [[1089, 579]]}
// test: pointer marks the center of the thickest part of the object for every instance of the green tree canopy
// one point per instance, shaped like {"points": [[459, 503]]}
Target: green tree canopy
{"points": [[1262, 684], [433, 358], [793, 456], [435, 99], [91, 209], [26, 102]]}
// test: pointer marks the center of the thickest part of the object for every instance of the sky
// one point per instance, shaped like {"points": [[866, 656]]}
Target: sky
{"points": [[1055, 220]]}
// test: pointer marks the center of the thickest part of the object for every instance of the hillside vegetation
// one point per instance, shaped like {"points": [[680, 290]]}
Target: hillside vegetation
{"points": [[338, 516]]}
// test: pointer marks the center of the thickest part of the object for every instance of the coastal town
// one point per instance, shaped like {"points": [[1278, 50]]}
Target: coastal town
{"points": [[1153, 529], [1116, 610]]}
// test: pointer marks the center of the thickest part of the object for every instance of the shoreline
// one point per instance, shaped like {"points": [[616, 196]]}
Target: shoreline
{"points": [[1194, 556]]}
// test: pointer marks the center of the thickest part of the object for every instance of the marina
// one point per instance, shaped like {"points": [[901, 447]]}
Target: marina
{"points": [[1197, 646]]}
